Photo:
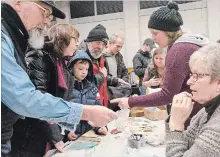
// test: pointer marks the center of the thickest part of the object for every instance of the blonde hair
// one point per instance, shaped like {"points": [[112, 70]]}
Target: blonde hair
{"points": [[60, 36], [114, 37], [173, 36], [208, 57]]}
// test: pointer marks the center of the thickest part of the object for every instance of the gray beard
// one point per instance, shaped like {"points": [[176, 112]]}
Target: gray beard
{"points": [[36, 38], [95, 56]]}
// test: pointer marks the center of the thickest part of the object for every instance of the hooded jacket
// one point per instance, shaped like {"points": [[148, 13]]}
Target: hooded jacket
{"points": [[85, 91], [100, 80]]}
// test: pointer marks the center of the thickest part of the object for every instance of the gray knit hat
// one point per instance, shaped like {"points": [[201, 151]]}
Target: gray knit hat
{"points": [[166, 18]]}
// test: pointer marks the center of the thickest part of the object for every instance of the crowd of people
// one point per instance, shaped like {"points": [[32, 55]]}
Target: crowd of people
{"points": [[54, 90]]}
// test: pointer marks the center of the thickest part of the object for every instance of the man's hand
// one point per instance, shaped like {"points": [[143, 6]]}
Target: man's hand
{"points": [[98, 116], [123, 82], [103, 71], [60, 146], [103, 130], [182, 106], [72, 136], [122, 102]]}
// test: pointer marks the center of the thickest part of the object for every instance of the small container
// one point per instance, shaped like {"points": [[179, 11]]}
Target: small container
{"points": [[136, 141]]}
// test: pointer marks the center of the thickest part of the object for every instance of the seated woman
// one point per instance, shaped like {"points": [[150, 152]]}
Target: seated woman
{"points": [[202, 137], [48, 71], [154, 73]]}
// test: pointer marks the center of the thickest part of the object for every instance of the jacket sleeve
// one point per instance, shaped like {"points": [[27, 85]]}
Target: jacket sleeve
{"points": [[20, 95], [138, 67], [97, 102], [177, 72], [96, 129], [112, 81], [99, 79], [52, 132], [38, 70], [124, 72]]}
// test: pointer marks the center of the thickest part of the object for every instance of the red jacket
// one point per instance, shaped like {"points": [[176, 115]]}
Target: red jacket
{"points": [[103, 88]]}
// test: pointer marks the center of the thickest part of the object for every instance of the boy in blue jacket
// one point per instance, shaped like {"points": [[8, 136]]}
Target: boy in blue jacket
{"points": [[83, 90]]}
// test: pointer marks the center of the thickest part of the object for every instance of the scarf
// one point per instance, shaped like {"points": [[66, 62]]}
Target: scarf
{"points": [[60, 73]]}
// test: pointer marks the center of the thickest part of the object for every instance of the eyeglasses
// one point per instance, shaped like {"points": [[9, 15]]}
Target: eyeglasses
{"points": [[196, 76], [47, 13]]}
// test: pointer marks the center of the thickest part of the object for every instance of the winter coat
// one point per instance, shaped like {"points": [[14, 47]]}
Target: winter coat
{"points": [[140, 62], [85, 91], [101, 81], [31, 135]]}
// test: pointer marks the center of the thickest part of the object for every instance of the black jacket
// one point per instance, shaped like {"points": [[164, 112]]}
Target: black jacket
{"points": [[140, 62], [31, 135], [122, 71]]}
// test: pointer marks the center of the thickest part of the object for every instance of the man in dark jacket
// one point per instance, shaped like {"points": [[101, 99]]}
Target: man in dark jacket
{"points": [[115, 60], [142, 59]]}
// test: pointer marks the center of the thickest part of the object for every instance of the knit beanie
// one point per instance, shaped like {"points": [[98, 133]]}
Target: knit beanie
{"points": [[98, 34], [166, 18]]}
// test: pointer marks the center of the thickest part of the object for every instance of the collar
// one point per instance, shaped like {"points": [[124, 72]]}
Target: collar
{"points": [[212, 105], [10, 16]]}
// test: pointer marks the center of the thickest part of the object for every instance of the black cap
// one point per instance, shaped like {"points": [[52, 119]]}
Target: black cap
{"points": [[166, 18], [55, 11], [98, 33], [150, 43]]}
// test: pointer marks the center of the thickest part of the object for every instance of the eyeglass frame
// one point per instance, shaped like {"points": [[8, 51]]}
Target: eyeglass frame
{"points": [[46, 15], [196, 76]]}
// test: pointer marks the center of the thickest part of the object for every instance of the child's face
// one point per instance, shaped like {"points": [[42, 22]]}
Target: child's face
{"points": [[80, 70]]}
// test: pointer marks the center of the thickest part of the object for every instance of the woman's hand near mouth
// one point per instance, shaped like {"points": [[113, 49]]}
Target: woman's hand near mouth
{"points": [[182, 106]]}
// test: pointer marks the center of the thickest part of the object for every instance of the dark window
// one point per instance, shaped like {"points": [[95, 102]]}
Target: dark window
{"points": [[81, 9], [153, 4], [107, 7]]}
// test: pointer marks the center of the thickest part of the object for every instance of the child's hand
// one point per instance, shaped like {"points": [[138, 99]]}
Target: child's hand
{"points": [[103, 130], [72, 136], [60, 146]]}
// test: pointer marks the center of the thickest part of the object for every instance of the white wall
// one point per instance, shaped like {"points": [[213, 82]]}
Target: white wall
{"points": [[64, 6], [213, 14], [201, 17]]}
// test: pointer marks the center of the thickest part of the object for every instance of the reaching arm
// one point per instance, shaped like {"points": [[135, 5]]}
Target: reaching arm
{"points": [[177, 71], [21, 96]]}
